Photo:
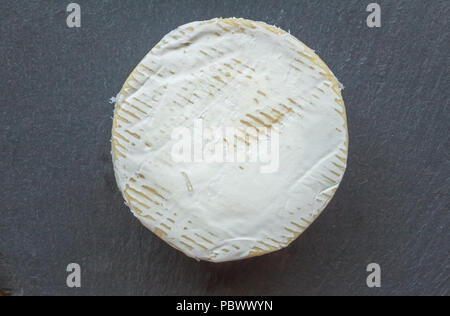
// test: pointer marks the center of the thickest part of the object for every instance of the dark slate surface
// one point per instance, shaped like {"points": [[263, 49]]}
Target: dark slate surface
{"points": [[60, 204]]}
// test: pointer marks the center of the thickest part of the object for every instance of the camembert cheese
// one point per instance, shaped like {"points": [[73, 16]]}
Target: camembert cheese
{"points": [[254, 80]]}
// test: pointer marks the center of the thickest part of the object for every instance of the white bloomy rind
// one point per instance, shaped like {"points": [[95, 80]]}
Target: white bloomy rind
{"points": [[229, 72]]}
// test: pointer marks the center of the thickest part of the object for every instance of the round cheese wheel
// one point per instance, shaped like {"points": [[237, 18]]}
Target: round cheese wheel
{"points": [[229, 139]]}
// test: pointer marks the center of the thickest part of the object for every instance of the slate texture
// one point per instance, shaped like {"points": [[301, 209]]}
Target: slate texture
{"points": [[58, 197]]}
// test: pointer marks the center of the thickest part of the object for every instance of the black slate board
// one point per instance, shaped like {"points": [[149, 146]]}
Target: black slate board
{"points": [[60, 204]]}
